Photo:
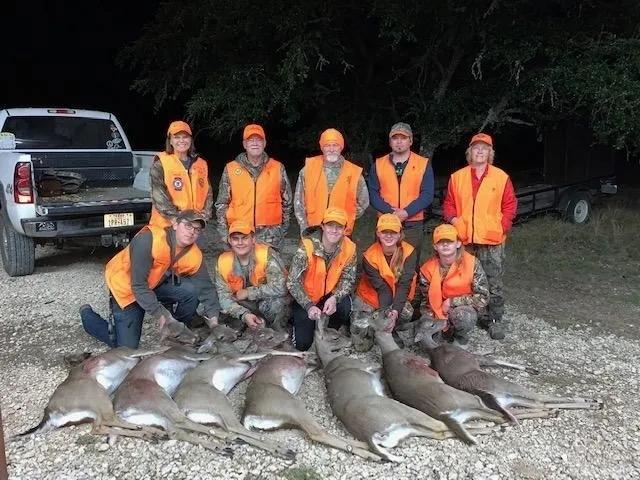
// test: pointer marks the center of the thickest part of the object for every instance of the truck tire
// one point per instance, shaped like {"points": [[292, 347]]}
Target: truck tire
{"points": [[18, 251], [579, 208]]}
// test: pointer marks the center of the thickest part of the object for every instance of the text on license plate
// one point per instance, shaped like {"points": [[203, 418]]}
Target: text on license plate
{"points": [[112, 220]]}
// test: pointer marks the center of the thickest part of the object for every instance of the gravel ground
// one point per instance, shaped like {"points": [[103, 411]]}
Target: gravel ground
{"points": [[39, 324]]}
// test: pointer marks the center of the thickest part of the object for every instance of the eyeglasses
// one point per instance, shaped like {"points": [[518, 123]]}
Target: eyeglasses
{"points": [[190, 227]]}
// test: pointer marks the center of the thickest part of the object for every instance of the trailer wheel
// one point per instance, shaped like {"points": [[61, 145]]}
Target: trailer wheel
{"points": [[579, 208], [18, 251]]}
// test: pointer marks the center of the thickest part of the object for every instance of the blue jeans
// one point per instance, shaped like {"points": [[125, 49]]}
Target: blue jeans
{"points": [[126, 327]]}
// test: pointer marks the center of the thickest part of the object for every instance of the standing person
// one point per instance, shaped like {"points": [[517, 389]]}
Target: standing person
{"points": [[402, 183], [322, 277], [481, 204], [328, 180], [454, 286], [161, 266], [251, 281], [179, 179], [388, 281], [255, 188]]}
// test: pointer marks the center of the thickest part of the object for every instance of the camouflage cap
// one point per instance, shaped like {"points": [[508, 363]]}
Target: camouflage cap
{"points": [[191, 216], [401, 128]]}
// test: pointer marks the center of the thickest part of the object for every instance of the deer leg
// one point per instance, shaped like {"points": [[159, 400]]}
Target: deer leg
{"points": [[493, 362], [255, 441], [571, 403], [146, 433], [358, 448], [535, 413], [214, 446]]}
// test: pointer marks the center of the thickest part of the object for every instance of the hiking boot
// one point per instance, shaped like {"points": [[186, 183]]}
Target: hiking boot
{"points": [[496, 331], [84, 310]]}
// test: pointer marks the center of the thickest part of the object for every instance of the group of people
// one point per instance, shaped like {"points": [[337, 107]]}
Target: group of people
{"points": [[162, 271]]}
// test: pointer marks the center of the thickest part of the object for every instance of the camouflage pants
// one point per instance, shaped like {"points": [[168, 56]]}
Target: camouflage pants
{"points": [[462, 319], [491, 258], [362, 333], [270, 235], [276, 312]]}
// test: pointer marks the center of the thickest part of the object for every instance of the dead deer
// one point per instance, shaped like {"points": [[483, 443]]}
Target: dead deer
{"points": [[202, 396], [84, 396], [357, 398], [219, 334], [144, 399], [270, 404], [462, 370]]}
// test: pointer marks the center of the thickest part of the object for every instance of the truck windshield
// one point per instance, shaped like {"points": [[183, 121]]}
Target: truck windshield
{"points": [[60, 132]]}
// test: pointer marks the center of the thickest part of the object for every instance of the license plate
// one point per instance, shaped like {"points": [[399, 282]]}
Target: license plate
{"points": [[112, 220]]}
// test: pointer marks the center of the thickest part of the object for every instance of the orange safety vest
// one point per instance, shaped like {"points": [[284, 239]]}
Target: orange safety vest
{"points": [[187, 189], [479, 220], [118, 270], [258, 203], [318, 281], [344, 193], [257, 277], [458, 281], [375, 257], [401, 193]]}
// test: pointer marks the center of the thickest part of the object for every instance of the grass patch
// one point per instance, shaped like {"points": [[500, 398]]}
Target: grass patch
{"points": [[301, 473]]}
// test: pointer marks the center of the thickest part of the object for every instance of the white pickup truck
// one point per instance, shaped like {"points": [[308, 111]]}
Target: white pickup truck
{"points": [[65, 173]]}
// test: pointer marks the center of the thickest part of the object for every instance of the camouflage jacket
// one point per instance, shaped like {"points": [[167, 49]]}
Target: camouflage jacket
{"points": [[272, 235], [161, 199], [295, 281], [275, 285], [479, 286], [331, 172]]}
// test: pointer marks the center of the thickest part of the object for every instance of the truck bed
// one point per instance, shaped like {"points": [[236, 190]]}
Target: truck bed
{"points": [[94, 199]]}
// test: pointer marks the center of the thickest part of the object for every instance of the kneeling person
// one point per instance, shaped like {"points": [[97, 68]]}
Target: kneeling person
{"points": [[454, 285], [322, 277], [161, 273], [251, 281], [388, 281]]}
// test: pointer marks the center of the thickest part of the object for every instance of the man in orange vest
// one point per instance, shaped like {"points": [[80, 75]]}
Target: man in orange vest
{"points": [[328, 180], [179, 178], [160, 273], [255, 188], [402, 183], [481, 204], [322, 277], [454, 286], [251, 281]]}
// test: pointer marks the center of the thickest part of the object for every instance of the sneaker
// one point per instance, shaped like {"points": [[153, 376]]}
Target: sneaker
{"points": [[84, 309], [496, 331]]}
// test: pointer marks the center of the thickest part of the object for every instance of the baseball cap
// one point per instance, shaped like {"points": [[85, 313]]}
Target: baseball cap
{"points": [[331, 135], [240, 226], [253, 129], [179, 126], [401, 128], [481, 137], [389, 221], [191, 216], [446, 231], [335, 214]]}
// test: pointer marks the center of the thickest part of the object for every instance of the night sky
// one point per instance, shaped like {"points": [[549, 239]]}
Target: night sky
{"points": [[62, 54]]}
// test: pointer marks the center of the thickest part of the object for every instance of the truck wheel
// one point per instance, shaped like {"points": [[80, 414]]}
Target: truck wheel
{"points": [[18, 251], [579, 208]]}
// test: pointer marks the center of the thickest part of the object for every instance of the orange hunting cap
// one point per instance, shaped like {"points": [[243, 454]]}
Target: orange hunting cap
{"points": [[335, 214], [179, 126], [389, 221], [481, 137], [446, 231], [331, 135], [240, 226], [253, 129]]}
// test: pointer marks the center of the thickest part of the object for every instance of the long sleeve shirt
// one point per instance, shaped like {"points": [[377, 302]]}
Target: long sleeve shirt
{"points": [[422, 202], [403, 285], [509, 201], [141, 263]]}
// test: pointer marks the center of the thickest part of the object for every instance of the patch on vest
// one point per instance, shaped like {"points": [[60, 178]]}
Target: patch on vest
{"points": [[238, 171], [177, 183], [201, 182]]}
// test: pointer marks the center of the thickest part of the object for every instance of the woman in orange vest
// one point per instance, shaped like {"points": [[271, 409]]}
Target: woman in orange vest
{"points": [[322, 277], [454, 286], [388, 281], [179, 179], [162, 274]]}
